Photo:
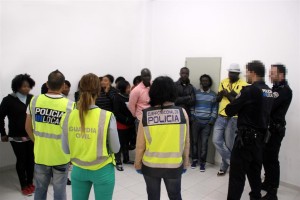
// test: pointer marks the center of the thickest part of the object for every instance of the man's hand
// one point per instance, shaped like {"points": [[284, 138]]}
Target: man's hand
{"points": [[4, 138], [225, 93]]}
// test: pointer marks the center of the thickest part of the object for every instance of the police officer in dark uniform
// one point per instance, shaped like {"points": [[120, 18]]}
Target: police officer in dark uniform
{"points": [[253, 106], [282, 98]]}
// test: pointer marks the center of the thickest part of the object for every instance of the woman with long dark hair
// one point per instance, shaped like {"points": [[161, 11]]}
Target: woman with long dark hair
{"points": [[162, 147], [90, 136]]}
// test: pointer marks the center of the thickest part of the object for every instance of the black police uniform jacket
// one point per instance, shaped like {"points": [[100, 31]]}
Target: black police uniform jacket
{"points": [[253, 106]]}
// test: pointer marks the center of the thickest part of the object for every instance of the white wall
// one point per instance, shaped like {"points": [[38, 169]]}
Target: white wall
{"points": [[121, 37]]}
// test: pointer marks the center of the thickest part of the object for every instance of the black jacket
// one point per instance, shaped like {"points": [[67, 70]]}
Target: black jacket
{"points": [[121, 111], [186, 96], [105, 100], [282, 100], [253, 106], [15, 110]]}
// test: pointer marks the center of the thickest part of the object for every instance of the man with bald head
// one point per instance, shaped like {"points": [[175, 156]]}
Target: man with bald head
{"points": [[139, 96]]}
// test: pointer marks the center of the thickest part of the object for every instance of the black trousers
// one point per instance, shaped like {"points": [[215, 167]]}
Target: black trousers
{"points": [[246, 160], [25, 161], [271, 158], [173, 187], [124, 136]]}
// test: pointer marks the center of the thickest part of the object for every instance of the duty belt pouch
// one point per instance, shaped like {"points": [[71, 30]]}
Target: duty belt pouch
{"points": [[247, 138], [277, 129]]}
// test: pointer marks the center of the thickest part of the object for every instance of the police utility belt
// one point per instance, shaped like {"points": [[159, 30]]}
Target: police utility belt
{"points": [[276, 127], [248, 136]]}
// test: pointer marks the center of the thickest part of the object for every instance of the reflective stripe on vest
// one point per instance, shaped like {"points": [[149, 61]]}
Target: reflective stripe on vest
{"points": [[166, 154], [100, 158]]}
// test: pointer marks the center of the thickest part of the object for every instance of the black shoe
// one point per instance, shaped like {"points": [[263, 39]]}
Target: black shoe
{"points": [[130, 162], [131, 147], [194, 164], [269, 196], [69, 182], [120, 167], [221, 173]]}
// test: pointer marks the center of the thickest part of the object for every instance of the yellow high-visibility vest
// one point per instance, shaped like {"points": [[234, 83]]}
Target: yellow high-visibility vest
{"points": [[165, 135], [88, 148], [46, 116]]}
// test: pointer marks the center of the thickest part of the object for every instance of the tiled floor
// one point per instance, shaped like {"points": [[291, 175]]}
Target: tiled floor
{"points": [[131, 186]]}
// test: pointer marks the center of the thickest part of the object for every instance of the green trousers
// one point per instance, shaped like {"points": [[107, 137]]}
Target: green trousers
{"points": [[103, 181]]}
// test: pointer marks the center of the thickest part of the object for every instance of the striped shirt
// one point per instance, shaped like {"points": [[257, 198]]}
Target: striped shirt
{"points": [[206, 107]]}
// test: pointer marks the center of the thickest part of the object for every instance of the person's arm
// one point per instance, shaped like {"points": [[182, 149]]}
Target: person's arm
{"points": [[133, 99], [284, 97], [214, 112], [186, 150], [235, 106], [140, 147], [122, 118], [28, 127], [113, 137], [230, 95], [220, 92], [64, 136], [112, 93], [193, 96], [3, 114]]}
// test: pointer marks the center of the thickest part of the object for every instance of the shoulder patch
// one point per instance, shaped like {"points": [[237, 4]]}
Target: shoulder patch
{"points": [[275, 94]]}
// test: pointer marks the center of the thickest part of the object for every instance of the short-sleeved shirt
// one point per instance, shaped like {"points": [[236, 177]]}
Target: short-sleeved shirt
{"points": [[236, 87]]}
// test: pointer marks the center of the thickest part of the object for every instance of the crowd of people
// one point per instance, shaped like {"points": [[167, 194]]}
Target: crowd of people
{"points": [[167, 123]]}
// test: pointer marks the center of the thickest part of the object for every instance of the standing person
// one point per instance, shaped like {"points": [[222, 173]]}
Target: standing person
{"points": [[125, 123], [67, 88], [14, 106], [90, 137], [226, 126], [107, 92], [185, 91], [139, 97], [204, 116], [253, 105], [43, 127], [282, 99], [162, 150]]}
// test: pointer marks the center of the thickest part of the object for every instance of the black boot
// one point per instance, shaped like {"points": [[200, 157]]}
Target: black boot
{"points": [[271, 195]]}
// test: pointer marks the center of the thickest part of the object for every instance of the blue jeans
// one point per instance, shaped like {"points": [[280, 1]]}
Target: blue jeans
{"points": [[223, 138], [173, 187], [43, 174], [200, 135]]}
